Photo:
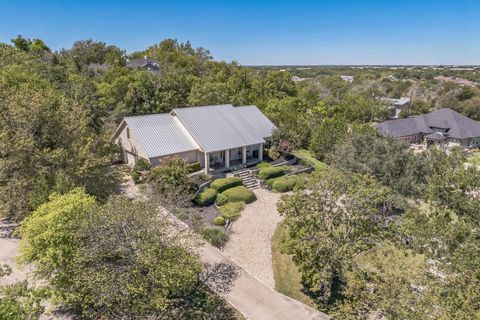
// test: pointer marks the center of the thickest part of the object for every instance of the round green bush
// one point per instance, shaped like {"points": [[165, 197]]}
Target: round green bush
{"points": [[239, 193], [232, 210], [219, 221], [206, 197], [271, 181], [221, 199], [285, 184], [271, 172], [226, 183], [135, 177]]}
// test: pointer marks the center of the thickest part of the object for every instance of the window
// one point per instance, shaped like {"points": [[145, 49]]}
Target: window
{"points": [[128, 133]]}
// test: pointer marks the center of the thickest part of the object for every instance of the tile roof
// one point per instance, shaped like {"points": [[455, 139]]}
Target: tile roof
{"points": [[456, 125]]}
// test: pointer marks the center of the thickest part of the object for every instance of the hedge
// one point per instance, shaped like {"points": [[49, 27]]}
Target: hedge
{"points": [[271, 181], [206, 197], [226, 183], [271, 172], [232, 210], [240, 193], [263, 165], [221, 200], [219, 221], [193, 167], [285, 184]]}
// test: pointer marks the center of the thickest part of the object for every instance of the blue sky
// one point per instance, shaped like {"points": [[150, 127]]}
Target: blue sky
{"points": [[264, 32]]}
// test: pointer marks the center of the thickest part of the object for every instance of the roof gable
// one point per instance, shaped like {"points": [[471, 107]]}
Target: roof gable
{"points": [[160, 135], [218, 127]]}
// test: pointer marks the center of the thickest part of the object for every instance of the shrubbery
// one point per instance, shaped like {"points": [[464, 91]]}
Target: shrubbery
{"points": [[232, 210], [206, 197], [226, 183], [221, 200], [271, 181], [215, 236], [272, 172], [140, 165], [284, 184], [240, 193], [263, 165], [219, 221], [193, 167]]}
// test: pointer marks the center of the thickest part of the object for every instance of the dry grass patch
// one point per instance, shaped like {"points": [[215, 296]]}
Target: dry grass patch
{"points": [[285, 272]]}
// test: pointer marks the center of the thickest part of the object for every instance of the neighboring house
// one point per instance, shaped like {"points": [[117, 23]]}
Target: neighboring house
{"points": [[442, 126], [298, 79], [347, 78], [397, 106], [218, 137], [145, 63]]}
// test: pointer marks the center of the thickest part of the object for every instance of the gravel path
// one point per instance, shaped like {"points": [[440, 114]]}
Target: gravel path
{"points": [[249, 245]]}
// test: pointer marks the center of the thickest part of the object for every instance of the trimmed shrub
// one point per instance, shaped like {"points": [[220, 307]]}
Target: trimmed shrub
{"points": [[219, 221], [135, 176], [232, 210], [221, 200], [271, 181], [140, 166], [240, 193], [271, 172], [263, 165], [226, 183], [285, 184], [206, 197], [193, 167], [215, 236]]}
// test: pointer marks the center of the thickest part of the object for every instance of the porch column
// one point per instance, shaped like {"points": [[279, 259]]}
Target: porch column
{"points": [[260, 153], [207, 163], [244, 155], [227, 158]]}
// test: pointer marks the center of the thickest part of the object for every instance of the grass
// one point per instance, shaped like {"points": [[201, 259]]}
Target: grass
{"points": [[309, 159], [286, 274], [475, 158]]}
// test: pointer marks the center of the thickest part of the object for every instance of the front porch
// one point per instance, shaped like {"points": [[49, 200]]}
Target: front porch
{"points": [[232, 159]]}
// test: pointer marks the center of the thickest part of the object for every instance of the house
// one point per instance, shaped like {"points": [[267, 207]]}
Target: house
{"points": [[442, 126], [347, 78], [145, 63], [219, 137], [396, 106]]}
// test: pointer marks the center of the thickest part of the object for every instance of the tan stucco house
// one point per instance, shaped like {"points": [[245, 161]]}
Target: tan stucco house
{"points": [[218, 137]]}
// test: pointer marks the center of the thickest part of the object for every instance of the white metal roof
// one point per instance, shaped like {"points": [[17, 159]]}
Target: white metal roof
{"points": [[160, 134], [256, 120], [218, 127]]}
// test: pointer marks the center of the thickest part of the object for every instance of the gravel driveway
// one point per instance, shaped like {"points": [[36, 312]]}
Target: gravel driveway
{"points": [[250, 245]]}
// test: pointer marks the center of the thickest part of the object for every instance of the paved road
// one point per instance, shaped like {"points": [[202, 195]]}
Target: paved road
{"points": [[255, 300]]}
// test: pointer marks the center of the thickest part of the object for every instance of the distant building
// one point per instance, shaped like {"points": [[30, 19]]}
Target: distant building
{"points": [[298, 79], [460, 81], [440, 127], [145, 63], [347, 78], [397, 106]]}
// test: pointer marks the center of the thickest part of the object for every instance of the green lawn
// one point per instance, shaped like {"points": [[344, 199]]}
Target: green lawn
{"points": [[309, 159], [286, 275]]}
